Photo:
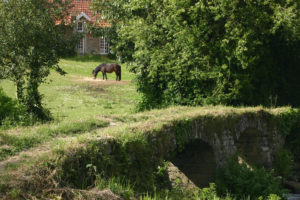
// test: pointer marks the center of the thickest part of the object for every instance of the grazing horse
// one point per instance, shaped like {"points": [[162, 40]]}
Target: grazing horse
{"points": [[108, 68]]}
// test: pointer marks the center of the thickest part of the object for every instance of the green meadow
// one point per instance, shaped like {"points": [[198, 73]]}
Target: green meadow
{"points": [[76, 96], [77, 102]]}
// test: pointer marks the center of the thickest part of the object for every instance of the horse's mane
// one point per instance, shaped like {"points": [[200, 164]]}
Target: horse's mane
{"points": [[97, 69]]}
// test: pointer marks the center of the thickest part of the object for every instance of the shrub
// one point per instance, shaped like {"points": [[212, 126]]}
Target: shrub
{"points": [[11, 112], [242, 182], [293, 140], [283, 163]]}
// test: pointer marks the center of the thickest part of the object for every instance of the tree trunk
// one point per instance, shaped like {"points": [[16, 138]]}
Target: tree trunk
{"points": [[20, 94]]}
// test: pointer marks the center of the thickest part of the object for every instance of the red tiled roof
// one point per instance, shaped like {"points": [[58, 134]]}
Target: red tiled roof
{"points": [[79, 6]]}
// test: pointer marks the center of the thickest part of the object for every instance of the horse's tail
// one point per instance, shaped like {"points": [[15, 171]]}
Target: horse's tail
{"points": [[119, 71]]}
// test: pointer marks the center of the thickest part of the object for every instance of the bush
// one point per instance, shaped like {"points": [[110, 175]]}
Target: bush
{"points": [[242, 182], [293, 140], [283, 163], [10, 111]]}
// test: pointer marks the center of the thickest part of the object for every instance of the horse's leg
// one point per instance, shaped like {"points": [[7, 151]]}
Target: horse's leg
{"points": [[119, 75], [119, 72], [102, 75], [105, 75]]}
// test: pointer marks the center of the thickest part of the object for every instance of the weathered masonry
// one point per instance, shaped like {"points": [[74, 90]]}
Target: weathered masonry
{"points": [[206, 141]]}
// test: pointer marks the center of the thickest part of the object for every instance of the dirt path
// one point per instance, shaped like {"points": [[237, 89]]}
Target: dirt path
{"points": [[100, 81], [31, 154], [42, 149]]}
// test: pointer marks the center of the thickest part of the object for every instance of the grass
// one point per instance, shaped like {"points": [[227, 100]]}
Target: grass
{"points": [[76, 96], [16, 140], [76, 101]]}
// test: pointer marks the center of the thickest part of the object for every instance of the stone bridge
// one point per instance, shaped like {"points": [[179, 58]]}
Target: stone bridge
{"points": [[196, 146], [194, 141]]}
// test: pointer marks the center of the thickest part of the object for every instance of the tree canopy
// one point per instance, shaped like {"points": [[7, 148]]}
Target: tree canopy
{"points": [[30, 40], [189, 52]]}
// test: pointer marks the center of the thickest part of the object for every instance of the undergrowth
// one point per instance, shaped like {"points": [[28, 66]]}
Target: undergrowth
{"points": [[11, 112], [244, 182]]}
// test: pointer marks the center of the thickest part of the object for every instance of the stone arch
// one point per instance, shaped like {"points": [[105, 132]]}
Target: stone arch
{"points": [[253, 147], [195, 165]]}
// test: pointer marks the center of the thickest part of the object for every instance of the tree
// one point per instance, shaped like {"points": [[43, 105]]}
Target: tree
{"points": [[190, 52], [30, 40]]}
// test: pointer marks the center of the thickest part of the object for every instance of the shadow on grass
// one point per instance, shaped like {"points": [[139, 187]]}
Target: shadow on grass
{"points": [[89, 58]]}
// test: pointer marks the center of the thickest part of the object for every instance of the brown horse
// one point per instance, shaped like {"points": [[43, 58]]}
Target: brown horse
{"points": [[108, 68]]}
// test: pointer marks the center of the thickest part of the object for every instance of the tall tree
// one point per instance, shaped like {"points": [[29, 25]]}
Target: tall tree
{"points": [[29, 40], [188, 52]]}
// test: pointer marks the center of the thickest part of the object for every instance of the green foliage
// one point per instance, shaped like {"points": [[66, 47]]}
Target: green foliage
{"points": [[67, 46], [15, 193], [127, 158], [8, 106], [272, 197], [293, 138], [29, 41], [182, 129], [191, 194], [288, 121], [209, 52], [118, 186], [241, 181], [161, 175], [283, 163], [11, 113]]}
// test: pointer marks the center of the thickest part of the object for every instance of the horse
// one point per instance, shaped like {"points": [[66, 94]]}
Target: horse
{"points": [[108, 68]]}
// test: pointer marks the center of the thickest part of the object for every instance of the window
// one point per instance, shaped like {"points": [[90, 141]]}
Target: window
{"points": [[104, 46], [80, 26], [80, 46]]}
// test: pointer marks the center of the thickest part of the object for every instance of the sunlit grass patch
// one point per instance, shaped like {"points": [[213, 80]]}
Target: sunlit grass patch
{"points": [[29, 137]]}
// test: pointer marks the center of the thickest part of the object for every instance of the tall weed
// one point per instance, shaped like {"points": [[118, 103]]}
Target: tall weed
{"points": [[117, 185]]}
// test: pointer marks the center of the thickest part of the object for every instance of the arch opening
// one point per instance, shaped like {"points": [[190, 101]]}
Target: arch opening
{"points": [[194, 166]]}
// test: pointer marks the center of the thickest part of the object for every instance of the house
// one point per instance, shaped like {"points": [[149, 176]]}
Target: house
{"points": [[80, 15]]}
